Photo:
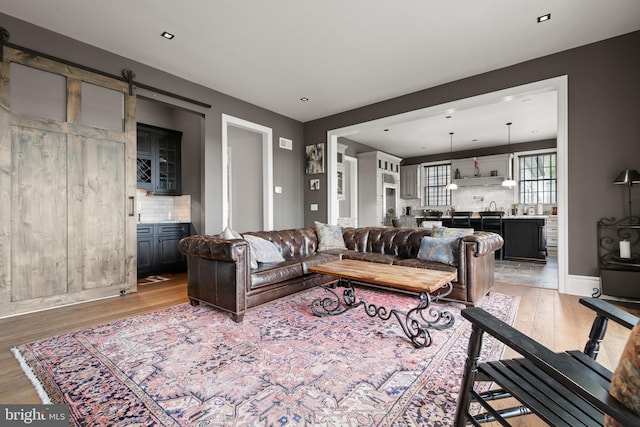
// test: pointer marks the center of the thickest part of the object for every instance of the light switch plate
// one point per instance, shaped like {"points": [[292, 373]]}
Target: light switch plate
{"points": [[278, 189], [314, 206]]}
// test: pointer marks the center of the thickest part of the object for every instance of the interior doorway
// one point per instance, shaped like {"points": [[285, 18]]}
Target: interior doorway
{"points": [[247, 175], [559, 84]]}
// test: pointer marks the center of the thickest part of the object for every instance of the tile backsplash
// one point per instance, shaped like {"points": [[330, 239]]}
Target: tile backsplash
{"points": [[474, 199], [153, 209]]}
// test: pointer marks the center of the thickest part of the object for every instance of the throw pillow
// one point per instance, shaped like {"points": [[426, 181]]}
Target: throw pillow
{"points": [[264, 250], [625, 381], [444, 250], [450, 232], [230, 234], [329, 236]]}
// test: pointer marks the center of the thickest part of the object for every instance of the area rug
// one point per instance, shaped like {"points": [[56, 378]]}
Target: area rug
{"points": [[282, 366]]}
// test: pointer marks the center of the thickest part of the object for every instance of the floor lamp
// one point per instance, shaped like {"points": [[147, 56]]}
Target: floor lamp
{"points": [[628, 178]]}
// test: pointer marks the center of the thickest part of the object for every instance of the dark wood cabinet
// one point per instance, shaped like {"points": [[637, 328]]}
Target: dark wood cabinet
{"points": [[146, 243], [525, 239], [158, 248], [158, 160]]}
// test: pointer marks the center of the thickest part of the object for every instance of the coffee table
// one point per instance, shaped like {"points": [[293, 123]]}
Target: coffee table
{"points": [[415, 281]]}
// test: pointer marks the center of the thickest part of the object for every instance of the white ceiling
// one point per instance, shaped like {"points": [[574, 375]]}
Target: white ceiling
{"points": [[533, 116], [340, 54]]}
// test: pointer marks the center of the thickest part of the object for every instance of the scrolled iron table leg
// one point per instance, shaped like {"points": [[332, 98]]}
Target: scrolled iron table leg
{"points": [[332, 305], [414, 324], [437, 319]]}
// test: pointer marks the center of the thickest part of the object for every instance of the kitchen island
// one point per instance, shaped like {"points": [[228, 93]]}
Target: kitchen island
{"points": [[525, 236]]}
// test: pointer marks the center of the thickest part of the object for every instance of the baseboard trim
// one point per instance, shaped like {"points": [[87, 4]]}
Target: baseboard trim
{"points": [[584, 286]]}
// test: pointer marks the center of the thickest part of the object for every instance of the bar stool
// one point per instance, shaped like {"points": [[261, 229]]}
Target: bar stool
{"points": [[461, 219], [492, 221]]}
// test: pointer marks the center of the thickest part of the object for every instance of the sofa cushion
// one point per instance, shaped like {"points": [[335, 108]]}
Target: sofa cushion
{"points": [[370, 257], [444, 250], [264, 250], [431, 265], [271, 273], [317, 259], [329, 236], [450, 232]]}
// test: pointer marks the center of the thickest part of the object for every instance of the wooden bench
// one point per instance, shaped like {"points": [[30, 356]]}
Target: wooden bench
{"points": [[563, 389]]}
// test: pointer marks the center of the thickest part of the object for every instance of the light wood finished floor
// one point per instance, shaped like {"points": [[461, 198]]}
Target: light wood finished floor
{"points": [[556, 320]]}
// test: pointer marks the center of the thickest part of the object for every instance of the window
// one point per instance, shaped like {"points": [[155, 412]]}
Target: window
{"points": [[538, 178], [435, 179]]}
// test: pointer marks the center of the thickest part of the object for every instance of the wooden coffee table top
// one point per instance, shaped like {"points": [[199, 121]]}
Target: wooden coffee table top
{"points": [[410, 279]]}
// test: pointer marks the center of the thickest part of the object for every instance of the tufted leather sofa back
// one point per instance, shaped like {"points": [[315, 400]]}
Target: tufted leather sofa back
{"points": [[298, 242], [400, 242]]}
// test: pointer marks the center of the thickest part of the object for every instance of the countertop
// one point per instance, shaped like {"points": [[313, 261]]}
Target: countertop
{"points": [[504, 218]]}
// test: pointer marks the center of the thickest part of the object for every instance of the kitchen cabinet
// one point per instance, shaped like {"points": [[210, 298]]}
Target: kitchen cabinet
{"points": [[552, 233], [158, 160], [410, 182], [158, 248], [619, 273], [378, 203], [525, 238]]}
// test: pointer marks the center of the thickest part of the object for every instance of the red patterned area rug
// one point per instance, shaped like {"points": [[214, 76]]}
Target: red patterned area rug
{"points": [[282, 366]]}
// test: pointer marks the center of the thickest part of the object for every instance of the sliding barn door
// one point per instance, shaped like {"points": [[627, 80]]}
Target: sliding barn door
{"points": [[67, 165]]}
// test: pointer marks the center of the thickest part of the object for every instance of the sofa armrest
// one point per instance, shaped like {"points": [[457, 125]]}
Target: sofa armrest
{"points": [[611, 312], [214, 248], [485, 242]]}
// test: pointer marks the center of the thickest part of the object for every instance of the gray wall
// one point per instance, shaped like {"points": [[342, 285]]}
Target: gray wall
{"points": [[603, 128], [246, 179], [288, 165]]}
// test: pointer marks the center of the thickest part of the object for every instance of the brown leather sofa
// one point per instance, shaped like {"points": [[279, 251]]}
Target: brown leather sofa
{"points": [[219, 270]]}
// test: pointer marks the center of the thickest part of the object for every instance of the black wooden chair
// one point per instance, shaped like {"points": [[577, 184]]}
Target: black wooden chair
{"points": [[563, 389], [461, 219], [492, 221]]}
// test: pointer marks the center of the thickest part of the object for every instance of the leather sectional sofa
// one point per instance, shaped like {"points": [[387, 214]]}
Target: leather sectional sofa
{"points": [[219, 270]]}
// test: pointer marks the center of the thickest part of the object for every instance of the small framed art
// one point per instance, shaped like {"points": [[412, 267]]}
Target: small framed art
{"points": [[315, 158], [314, 184]]}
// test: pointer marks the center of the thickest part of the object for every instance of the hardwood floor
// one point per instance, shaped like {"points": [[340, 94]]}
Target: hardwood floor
{"points": [[556, 320]]}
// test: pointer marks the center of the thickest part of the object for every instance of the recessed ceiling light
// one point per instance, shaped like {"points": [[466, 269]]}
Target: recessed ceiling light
{"points": [[386, 130], [474, 140], [447, 117], [304, 99], [544, 18], [167, 35]]}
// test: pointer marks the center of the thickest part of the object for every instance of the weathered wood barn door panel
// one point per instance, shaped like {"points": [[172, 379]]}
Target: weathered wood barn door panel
{"points": [[67, 165]]}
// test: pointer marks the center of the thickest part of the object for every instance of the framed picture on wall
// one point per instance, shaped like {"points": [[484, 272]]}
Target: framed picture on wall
{"points": [[314, 184], [315, 158]]}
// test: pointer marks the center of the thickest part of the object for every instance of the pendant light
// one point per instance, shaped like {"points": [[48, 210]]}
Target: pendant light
{"points": [[451, 185], [509, 182]]}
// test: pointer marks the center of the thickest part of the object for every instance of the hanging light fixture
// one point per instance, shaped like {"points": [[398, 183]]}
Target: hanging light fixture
{"points": [[451, 185], [509, 182]]}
